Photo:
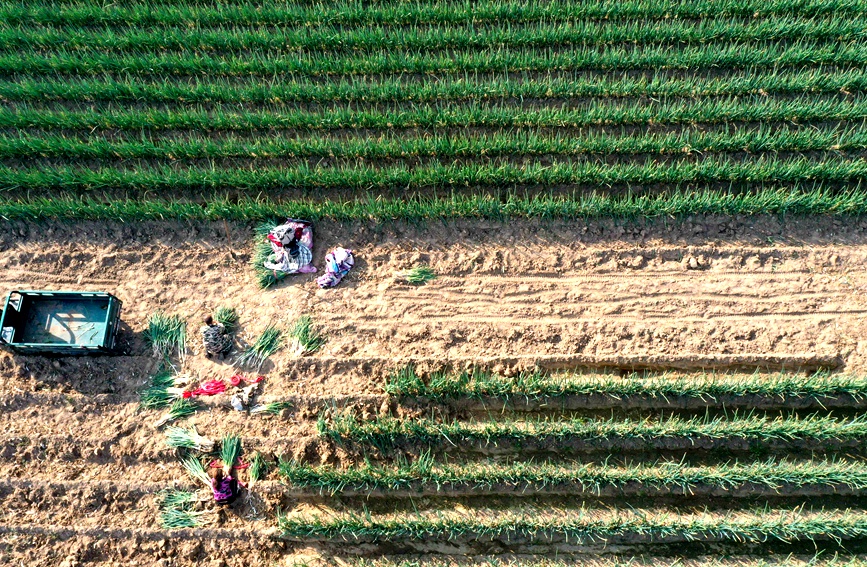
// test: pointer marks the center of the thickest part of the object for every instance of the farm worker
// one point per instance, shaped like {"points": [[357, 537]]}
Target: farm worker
{"points": [[215, 338], [224, 486]]}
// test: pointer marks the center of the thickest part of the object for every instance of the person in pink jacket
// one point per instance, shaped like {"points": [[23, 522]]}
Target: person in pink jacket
{"points": [[224, 486]]}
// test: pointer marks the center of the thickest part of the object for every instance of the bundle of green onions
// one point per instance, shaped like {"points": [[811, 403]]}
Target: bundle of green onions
{"points": [[269, 342], [166, 334], [179, 437], [164, 389], [177, 510], [258, 468], [158, 393], [273, 408], [180, 409], [305, 338], [418, 275], [228, 317], [230, 450], [196, 470]]}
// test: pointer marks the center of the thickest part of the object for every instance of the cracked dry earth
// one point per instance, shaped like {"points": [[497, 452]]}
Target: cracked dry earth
{"points": [[82, 466]]}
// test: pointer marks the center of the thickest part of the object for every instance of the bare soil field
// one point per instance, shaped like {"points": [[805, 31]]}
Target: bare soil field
{"points": [[82, 465]]}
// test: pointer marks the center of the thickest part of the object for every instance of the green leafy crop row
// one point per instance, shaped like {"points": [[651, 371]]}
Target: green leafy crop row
{"points": [[126, 89], [594, 113], [673, 203], [478, 384], [388, 433], [289, 181], [426, 477], [452, 11], [438, 37], [721, 55], [585, 529]]}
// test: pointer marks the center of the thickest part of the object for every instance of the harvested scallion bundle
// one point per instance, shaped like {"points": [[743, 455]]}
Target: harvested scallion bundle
{"points": [[177, 510], [167, 334], [179, 410], [305, 338], [177, 498], [230, 450], [272, 408], [258, 468], [269, 342], [173, 518], [157, 394], [228, 317], [196, 470], [418, 275], [179, 437]]}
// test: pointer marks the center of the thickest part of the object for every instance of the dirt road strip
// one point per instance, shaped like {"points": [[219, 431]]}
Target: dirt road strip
{"points": [[704, 287]]}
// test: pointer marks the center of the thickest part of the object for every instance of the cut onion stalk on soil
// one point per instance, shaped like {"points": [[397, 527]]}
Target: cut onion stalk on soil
{"points": [[178, 498], [304, 338], [174, 519], [179, 437], [165, 388], [167, 334], [269, 342], [418, 275]]}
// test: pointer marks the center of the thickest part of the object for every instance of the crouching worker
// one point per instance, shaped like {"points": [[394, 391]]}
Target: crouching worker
{"points": [[215, 338], [224, 486]]}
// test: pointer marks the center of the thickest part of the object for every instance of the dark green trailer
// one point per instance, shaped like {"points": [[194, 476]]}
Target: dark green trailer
{"points": [[60, 322]]}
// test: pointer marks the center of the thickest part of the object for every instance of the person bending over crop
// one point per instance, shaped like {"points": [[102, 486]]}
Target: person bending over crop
{"points": [[215, 338], [224, 485]]}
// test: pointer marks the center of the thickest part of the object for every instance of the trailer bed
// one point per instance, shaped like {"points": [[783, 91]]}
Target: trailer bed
{"points": [[60, 322]]}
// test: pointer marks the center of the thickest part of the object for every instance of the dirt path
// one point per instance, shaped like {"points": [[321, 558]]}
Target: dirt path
{"points": [[722, 293], [719, 286]]}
